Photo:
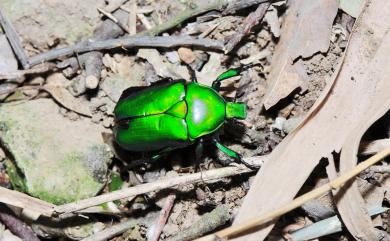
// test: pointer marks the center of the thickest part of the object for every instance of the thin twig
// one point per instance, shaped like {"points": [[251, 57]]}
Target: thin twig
{"points": [[143, 10], [113, 18], [144, 21], [13, 39], [132, 19], [155, 230], [256, 223], [20, 73], [183, 16], [234, 6], [249, 22], [15, 225], [149, 187], [113, 230], [128, 42], [114, 5], [207, 223]]}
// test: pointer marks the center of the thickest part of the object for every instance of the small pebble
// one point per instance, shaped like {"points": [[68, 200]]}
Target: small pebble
{"points": [[91, 82], [186, 55], [73, 116], [108, 122], [200, 194], [278, 125], [172, 57], [290, 124]]}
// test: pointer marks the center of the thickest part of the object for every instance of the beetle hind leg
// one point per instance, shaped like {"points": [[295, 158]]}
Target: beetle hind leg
{"points": [[230, 73], [229, 152], [199, 151]]}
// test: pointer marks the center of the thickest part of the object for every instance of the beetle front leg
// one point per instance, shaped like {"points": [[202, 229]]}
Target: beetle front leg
{"points": [[229, 152], [230, 73], [192, 73]]}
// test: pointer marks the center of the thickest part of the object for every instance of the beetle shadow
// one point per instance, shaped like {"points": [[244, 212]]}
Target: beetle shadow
{"points": [[235, 131]]}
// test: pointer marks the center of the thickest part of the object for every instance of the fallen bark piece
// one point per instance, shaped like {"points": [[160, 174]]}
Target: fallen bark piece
{"points": [[93, 68], [207, 223], [305, 31], [357, 91]]}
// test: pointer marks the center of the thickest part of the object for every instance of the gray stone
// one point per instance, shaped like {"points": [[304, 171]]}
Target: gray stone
{"points": [[8, 62], [61, 160]]}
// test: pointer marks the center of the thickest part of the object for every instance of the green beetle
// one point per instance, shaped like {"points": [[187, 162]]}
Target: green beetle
{"points": [[173, 115]]}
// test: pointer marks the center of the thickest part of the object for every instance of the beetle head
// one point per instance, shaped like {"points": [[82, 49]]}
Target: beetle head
{"points": [[235, 110]]}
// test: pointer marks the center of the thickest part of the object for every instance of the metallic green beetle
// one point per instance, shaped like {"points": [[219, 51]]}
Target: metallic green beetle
{"points": [[174, 115]]}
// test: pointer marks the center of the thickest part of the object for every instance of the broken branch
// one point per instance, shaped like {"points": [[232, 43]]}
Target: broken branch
{"points": [[158, 185], [13, 39], [249, 22], [128, 42]]}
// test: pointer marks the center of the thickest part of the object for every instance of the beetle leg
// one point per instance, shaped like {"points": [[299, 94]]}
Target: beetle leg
{"points": [[192, 73], [199, 151], [229, 74], [229, 152], [151, 159]]}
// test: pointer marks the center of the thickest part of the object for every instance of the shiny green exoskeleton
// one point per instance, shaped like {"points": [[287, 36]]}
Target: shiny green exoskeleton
{"points": [[174, 114]]}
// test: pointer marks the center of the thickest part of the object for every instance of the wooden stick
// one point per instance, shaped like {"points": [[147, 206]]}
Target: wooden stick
{"points": [[113, 18], [334, 184], [128, 42], [14, 40], [113, 231], [214, 174], [132, 19], [20, 73], [155, 230], [249, 22]]}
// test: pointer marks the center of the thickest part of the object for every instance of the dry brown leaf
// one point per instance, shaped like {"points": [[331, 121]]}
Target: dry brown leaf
{"points": [[306, 30], [357, 96], [162, 68], [56, 88]]}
